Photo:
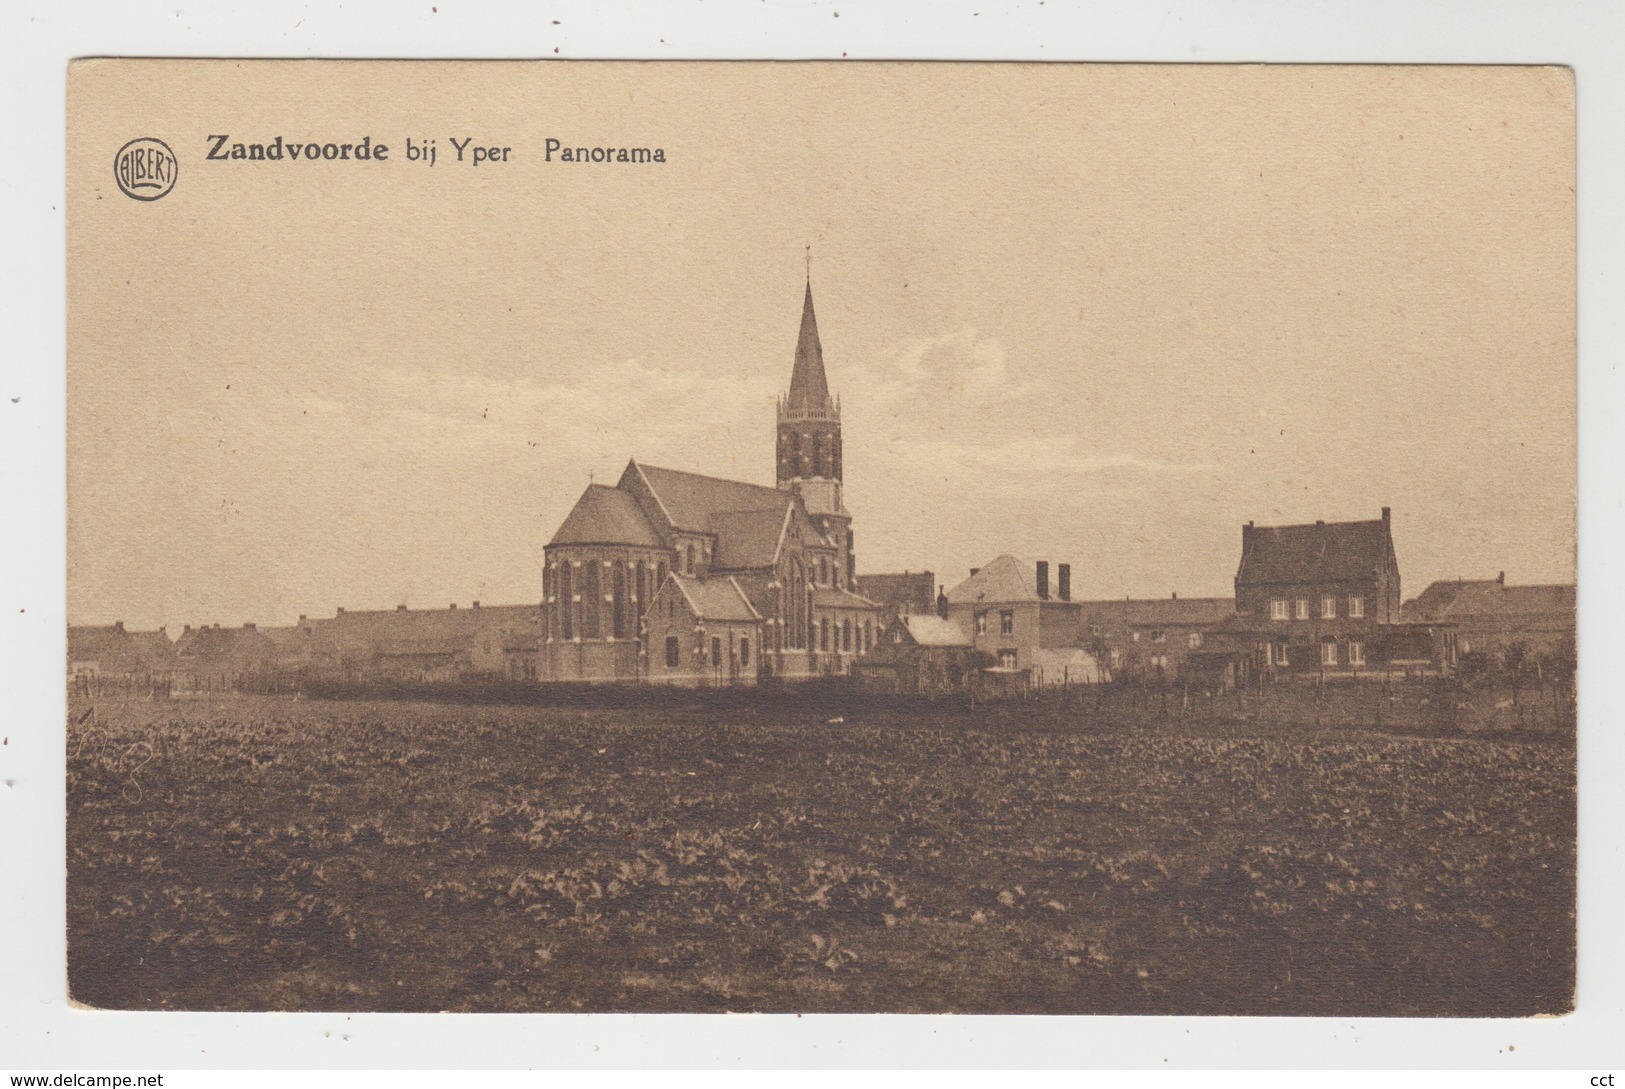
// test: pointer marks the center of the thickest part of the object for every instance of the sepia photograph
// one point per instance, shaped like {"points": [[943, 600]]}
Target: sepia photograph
{"points": [[887, 537]]}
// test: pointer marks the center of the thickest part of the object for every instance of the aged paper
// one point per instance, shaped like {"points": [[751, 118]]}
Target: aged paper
{"points": [[817, 537]]}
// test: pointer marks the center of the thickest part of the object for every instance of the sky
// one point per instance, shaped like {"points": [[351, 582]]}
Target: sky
{"points": [[1091, 314]]}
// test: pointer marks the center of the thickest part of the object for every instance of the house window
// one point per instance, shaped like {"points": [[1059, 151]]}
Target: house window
{"points": [[1303, 608], [688, 563], [1328, 607], [672, 652], [1328, 652], [823, 570], [1356, 652], [744, 653], [716, 650], [1278, 609], [1007, 659], [1007, 622], [823, 633], [981, 623], [1159, 637], [1194, 640], [1356, 606], [1117, 659], [1159, 662], [846, 635], [1278, 652]]}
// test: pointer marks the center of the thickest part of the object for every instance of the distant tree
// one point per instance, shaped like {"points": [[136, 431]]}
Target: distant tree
{"points": [[1472, 666], [1515, 662], [1558, 666]]}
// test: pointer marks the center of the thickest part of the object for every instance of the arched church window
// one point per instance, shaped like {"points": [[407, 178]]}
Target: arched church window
{"points": [[823, 633], [618, 604], [567, 612]]}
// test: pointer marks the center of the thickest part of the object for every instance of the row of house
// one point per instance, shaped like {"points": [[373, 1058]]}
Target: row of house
{"points": [[1319, 599], [401, 644]]}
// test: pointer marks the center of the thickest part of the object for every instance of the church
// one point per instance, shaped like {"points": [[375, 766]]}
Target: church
{"points": [[672, 577]]}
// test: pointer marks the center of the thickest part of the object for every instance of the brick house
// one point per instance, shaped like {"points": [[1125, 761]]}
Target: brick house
{"points": [[111, 651], [912, 593], [421, 645], [1006, 610], [1319, 598], [1154, 639], [923, 654], [1486, 616]]}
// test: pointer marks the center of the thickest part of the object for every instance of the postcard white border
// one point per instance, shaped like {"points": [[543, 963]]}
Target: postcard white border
{"points": [[37, 40]]}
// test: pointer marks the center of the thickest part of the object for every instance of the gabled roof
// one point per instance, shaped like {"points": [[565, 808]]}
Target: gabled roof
{"points": [[809, 389], [1486, 598], [1070, 663], [911, 591], [216, 644], [1003, 581], [749, 538], [716, 598], [605, 515], [1169, 612], [117, 650], [1313, 553], [415, 631], [931, 630], [827, 597], [690, 499]]}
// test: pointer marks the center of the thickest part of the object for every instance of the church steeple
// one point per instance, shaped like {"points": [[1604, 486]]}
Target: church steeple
{"points": [[809, 389], [809, 446]]}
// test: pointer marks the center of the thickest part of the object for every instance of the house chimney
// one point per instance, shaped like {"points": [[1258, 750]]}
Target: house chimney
{"points": [[1385, 513], [248, 626], [1043, 580], [341, 610], [400, 608], [942, 602], [476, 604], [1176, 595], [118, 626], [453, 604], [973, 571], [1063, 581], [1501, 578], [1320, 523], [1246, 536], [185, 628], [301, 620]]}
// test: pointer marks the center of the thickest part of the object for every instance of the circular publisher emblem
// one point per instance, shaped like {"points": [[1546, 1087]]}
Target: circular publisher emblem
{"points": [[145, 168]]}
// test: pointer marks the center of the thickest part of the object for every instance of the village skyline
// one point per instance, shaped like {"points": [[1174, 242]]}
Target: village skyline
{"points": [[1219, 317]]}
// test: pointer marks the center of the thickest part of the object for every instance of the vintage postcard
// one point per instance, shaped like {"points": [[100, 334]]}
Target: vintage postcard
{"points": [[864, 538]]}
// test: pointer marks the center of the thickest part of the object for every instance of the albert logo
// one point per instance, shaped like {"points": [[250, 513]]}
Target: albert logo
{"points": [[145, 168]]}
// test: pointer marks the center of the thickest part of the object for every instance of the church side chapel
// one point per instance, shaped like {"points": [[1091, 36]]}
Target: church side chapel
{"points": [[671, 577]]}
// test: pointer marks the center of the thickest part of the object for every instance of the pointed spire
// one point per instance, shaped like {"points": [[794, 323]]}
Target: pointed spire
{"points": [[809, 389]]}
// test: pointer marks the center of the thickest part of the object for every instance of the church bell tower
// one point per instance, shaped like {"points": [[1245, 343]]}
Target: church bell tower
{"points": [[810, 439]]}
